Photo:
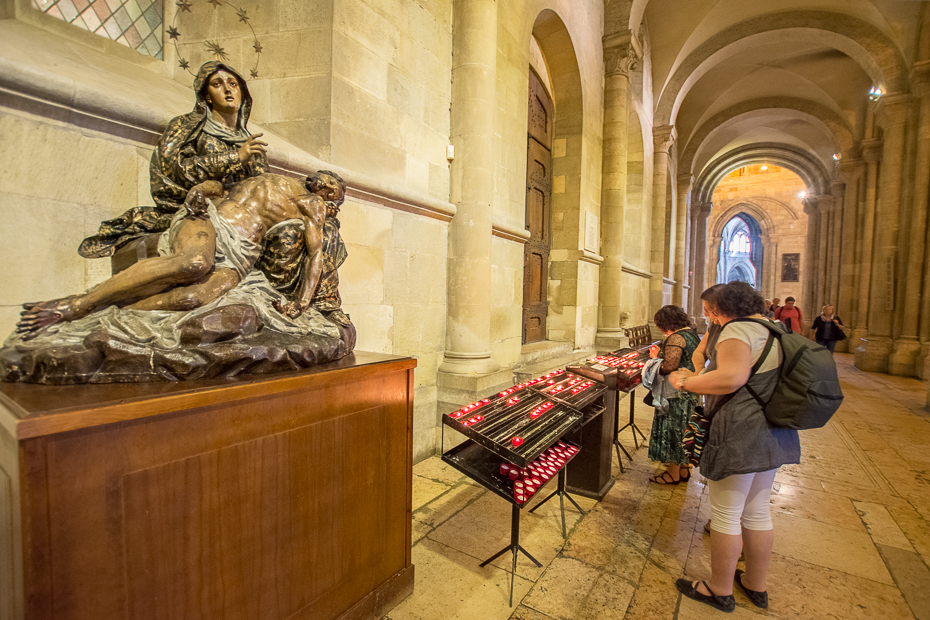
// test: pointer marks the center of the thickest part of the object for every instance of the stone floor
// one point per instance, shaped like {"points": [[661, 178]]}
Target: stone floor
{"points": [[852, 531]]}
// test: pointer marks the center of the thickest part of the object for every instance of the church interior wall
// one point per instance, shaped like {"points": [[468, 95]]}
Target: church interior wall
{"points": [[773, 198]]}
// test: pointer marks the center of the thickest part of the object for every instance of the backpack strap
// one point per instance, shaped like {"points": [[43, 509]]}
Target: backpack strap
{"points": [[774, 332], [755, 367]]}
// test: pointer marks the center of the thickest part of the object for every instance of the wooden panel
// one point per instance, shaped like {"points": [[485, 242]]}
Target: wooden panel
{"points": [[539, 112], [7, 584], [254, 512], [288, 503], [536, 249]]}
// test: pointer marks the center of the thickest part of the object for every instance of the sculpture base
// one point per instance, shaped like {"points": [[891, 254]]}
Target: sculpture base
{"points": [[283, 497]]}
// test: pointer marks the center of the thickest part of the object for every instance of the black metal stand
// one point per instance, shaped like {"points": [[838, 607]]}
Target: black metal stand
{"points": [[631, 424], [513, 547], [560, 491]]}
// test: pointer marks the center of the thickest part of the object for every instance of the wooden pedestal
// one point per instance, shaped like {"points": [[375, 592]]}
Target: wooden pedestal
{"points": [[274, 497]]}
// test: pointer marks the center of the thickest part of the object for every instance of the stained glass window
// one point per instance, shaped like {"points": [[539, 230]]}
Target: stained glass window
{"points": [[134, 23]]}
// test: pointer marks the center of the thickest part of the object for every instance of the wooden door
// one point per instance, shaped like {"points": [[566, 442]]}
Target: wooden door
{"points": [[538, 208]]}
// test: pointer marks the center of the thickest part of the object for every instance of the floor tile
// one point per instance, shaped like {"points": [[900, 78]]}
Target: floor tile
{"points": [[881, 525], [829, 546]]}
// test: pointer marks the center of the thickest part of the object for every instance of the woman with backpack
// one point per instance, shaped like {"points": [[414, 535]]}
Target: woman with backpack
{"points": [[743, 450]]}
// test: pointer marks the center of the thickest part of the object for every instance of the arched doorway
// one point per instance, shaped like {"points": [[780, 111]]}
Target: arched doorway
{"points": [[538, 211], [741, 251]]}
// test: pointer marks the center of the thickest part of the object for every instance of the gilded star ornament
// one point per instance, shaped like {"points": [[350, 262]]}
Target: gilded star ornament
{"points": [[254, 74], [215, 49], [258, 47], [242, 16], [173, 33], [184, 5], [184, 64]]}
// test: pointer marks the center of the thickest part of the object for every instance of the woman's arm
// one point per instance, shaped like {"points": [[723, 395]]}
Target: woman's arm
{"points": [[734, 364], [699, 357]]}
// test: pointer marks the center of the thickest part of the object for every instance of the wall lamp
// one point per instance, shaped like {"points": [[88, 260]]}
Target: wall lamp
{"points": [[876, 93]]}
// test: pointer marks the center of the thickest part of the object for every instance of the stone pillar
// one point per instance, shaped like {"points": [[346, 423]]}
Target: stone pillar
{"points": [[821, 292], [810, 268], [474, 81], [768, 257], [621, 53], [921, 198], [700, 211], [873, 355], [872, 154], [679, 268], [851, 171], [836, 230], [664, 138], [713, 261]]}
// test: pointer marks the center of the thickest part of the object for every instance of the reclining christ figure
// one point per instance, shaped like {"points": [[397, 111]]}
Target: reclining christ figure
{"points": [[212, 245]]}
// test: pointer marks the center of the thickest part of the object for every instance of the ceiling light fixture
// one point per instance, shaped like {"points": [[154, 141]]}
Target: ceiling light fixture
{"points": [[876, 93], [802, 194], [764, 167]]}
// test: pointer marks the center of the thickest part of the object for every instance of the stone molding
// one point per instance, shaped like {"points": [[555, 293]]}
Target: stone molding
{"points": [[622, 53], [811, 171], [69, 90], [664, 137], [636, 271], [590, 257], [872, 150], [508, 232]]}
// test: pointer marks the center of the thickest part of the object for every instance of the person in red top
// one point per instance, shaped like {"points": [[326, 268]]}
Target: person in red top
{"points": [[790, 315]]}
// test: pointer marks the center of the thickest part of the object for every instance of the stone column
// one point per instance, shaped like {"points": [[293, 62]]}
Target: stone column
{"points": [[809, 267], [852, 171], [713, 261], [664, 138], [836, 230], [872, 154], [679, 268], [474, 80], [873, 356], [699, 212], [621, 53], [921, 198], [821, 292], [768, 257]]}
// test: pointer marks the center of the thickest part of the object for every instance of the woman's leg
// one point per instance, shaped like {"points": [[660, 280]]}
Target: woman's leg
{"points": [[727, 500], [757, 531]]}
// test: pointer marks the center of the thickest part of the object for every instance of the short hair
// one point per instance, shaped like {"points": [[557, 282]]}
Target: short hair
{"points": [[671, 318], [787, 299], [710, 293], [738, 300]]}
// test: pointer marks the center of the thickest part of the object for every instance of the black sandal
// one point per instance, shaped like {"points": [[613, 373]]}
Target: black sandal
{"points": [[660, 479], [759, 599], [723, 603]]}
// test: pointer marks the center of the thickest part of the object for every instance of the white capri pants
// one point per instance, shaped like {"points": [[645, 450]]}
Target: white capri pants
{"points": [[741, 501]]}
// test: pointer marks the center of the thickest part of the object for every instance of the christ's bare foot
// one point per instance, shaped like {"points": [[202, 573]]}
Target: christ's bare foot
{"points": [[39, 316]]}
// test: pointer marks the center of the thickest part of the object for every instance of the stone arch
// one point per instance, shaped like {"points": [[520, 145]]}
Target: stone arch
{"points": [[759, 217], [833, 121], [814, 175], [875, 52]]}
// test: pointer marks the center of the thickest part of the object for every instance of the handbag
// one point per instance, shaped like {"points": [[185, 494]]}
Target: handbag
{"points": [[696, 431]]}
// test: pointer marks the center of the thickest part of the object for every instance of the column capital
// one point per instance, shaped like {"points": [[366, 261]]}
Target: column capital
{"points": [[622, 53], [686, 180], [701, 209], [825, 203], [872, 150], [852, 169], [894, 109], [664, 137], [810, 205]]}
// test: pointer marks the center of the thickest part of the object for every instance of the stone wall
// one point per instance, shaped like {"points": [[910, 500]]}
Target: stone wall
{"points": [[773, 198]]}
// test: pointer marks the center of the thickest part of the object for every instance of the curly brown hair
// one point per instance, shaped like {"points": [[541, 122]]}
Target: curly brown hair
{"points": [[738, 299], [671, 318]]}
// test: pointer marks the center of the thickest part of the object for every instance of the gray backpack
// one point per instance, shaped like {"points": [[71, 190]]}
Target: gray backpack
{"points": [[808, 390]]}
